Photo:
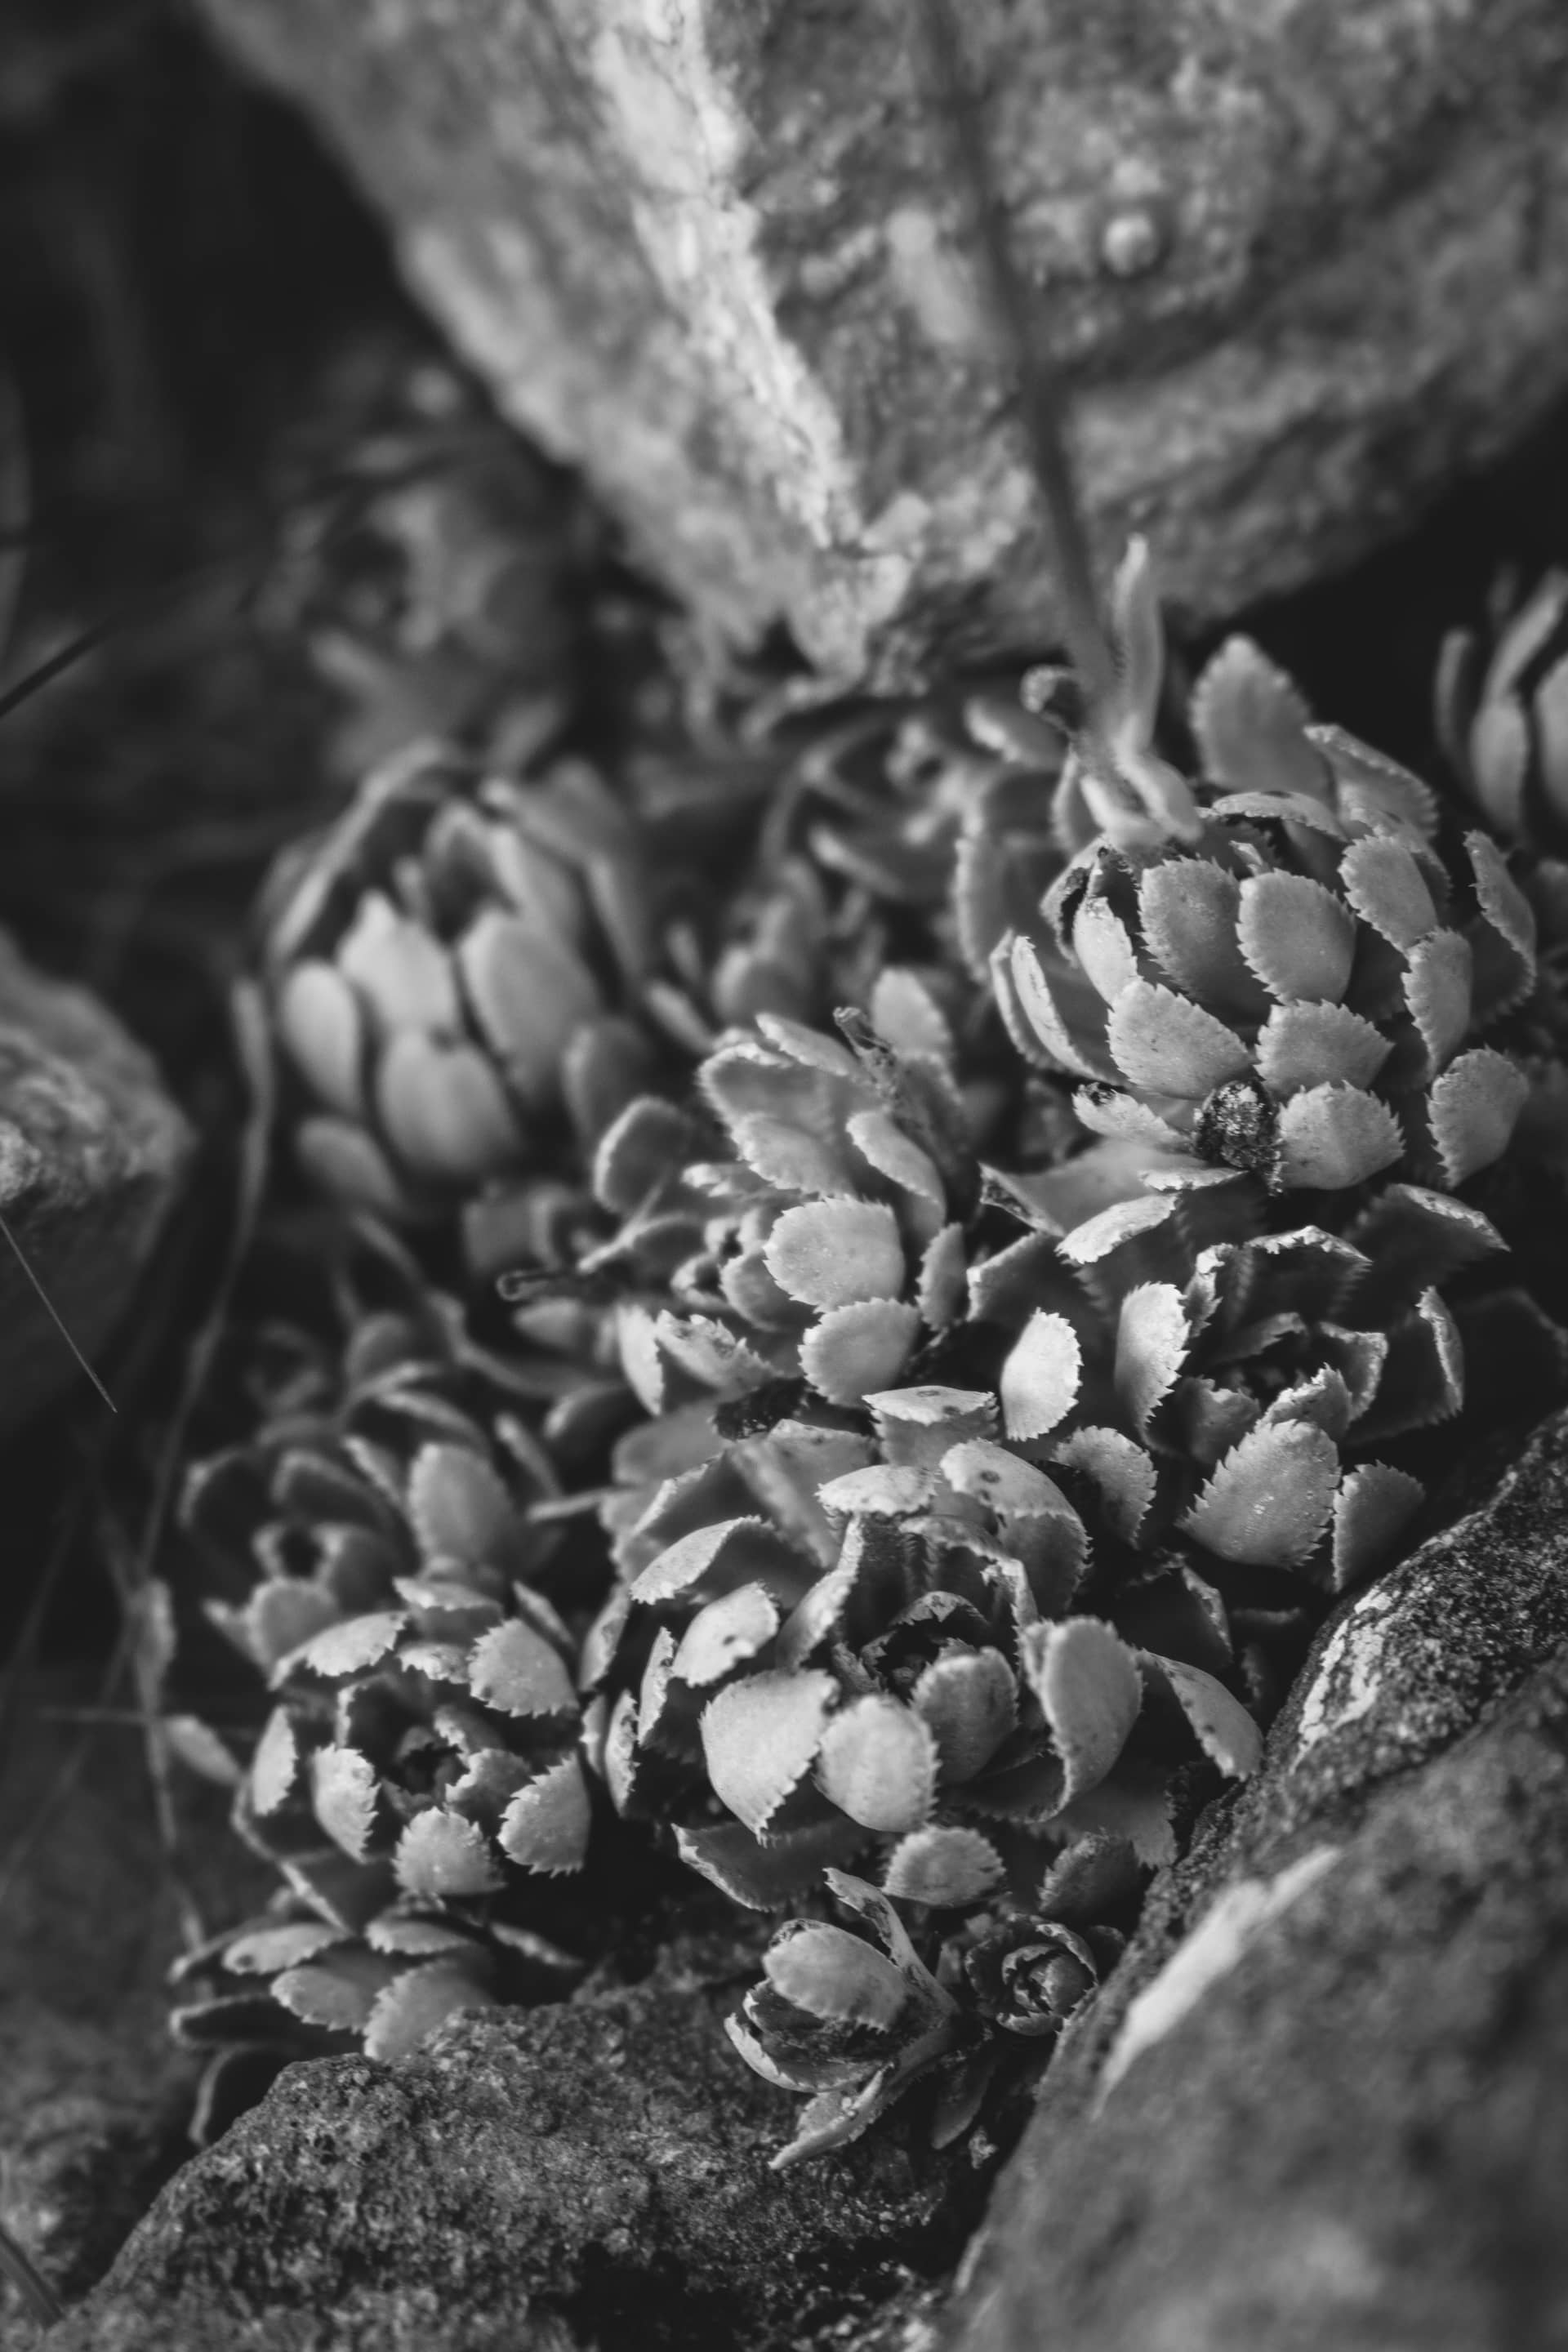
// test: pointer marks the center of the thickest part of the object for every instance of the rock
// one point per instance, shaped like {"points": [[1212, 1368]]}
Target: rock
{"points": [[1303, 262], [94, 2098], [91, 1149], [1323, 2106], [594, 2174]]}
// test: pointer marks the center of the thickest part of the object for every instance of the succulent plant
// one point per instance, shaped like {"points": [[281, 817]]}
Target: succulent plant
{"points": [[918, 813], [416, 1782], [449, 970], [370, 1447], [855, 2018], [935, 1461], [1272, 972], [428, 561], [298, 1981], [1501, 708]]}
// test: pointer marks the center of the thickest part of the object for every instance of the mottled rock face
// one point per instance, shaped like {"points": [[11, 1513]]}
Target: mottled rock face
{"points": [[90, 1150], [1347, 2010], [1302, 258], [591, 2175], [95, 2100]]}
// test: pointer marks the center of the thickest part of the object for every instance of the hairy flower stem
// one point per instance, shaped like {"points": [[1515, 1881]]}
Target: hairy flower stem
{"points": [[1042, 399]]}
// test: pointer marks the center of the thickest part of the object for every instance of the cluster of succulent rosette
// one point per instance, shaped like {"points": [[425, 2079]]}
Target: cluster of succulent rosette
{"points": [[976, 1283]]}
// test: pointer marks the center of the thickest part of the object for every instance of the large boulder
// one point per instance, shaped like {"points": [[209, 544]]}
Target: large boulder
{"points": [[1303, 260], [592, 2175], [91, 1151], [1324, 2105], [95, 2100], [1320, 2106]]}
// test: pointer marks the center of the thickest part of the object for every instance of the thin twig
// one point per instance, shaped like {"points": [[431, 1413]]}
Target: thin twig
{"points": [[54, 1315]]}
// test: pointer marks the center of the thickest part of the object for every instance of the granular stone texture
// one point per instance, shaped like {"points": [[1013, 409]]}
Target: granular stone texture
{"points": [[591, 2175], [91, 1149], [1303, 261], [1324, 2105], [95, 2101]]}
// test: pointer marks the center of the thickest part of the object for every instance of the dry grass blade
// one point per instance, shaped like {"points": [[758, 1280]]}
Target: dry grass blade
{"points": [[29, 2281], [144, 1602]]}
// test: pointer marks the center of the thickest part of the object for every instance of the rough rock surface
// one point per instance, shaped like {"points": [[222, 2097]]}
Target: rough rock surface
{"points": [[1349, 2136], [1324, 2105], [1303, 260], [94, 2099], [90, 1150], [593, 2175]]}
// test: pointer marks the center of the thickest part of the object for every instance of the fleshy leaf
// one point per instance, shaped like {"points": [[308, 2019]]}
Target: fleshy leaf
{"points": [[265, 1950], [1304, 1045], [904, 1013], [830, 1253], [515, 1669], [1104, 948], [1153, 1339], [970, 1699], [545, 1827], [441, 1854], [764, 1876], [528, 993], [322, 1030], [1087, 1685], [275, 1766], [1331, 1137], [917, 1426], [896, 1156], [946, 1868], [1224, 1729], [832, 1974], [1121, 1470], [878, 1764], [1371, 1510], [445, 1110], [728, 1632], [410, 2010], [1072, 1033], [1139, 643], [791, 1156], [1167, 1044], [1269, 1499], [1040, 1382], [1383, 882], [940, 1294], [404, 975], [1298, 938], [343, 1794], [1188, 907], [337, 1993], [349, 1647], [458, 1507], [1473, 1108], [1249, 720], [1372, 789], [1437, 991], [860, 1347], [759, 1736]]}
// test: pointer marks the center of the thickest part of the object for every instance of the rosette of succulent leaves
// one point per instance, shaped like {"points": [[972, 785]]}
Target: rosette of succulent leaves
{"points": [[428, 561], [975, 1508], [412, 1634], [453, 972], [1502, 712]]}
